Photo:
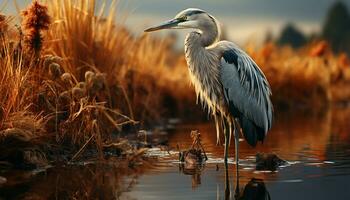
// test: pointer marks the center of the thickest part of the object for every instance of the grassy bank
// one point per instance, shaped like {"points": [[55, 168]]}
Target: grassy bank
{"points": [[73, 77], [311, 77]]}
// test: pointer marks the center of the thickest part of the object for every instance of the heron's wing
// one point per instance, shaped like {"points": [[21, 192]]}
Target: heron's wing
{"points": [[247, 93]]}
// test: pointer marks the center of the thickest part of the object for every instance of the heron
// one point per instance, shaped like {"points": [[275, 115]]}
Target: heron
{"points": [[227, 81]]}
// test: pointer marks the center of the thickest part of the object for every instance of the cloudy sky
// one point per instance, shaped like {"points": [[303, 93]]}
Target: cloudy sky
{"points": [[243, 19]]}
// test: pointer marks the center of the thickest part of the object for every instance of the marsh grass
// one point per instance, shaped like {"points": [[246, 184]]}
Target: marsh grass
{"points": [[311, 77], [79, 77], [141, 70]]}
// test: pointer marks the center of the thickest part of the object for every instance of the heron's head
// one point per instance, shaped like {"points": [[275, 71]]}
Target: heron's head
{"points": [[191, 18]]}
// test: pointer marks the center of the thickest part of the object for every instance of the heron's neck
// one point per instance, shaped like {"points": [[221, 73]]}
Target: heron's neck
{"points": [[197, 41], [209, 35], [203, 67]]}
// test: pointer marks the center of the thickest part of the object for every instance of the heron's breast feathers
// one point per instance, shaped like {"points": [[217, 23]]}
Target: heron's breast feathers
{"points": [[204, 73]]}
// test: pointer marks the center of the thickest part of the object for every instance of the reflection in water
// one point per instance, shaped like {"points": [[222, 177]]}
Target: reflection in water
{"points": [[194, 170], [255, 189], [291, 134], [92, 181], [320, 143], [294, 137]]}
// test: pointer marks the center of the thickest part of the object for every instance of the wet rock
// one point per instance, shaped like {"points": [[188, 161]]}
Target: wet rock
{"points": [[268, 161], [20, 150]]}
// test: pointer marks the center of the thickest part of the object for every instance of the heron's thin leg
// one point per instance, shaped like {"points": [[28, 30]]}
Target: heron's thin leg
{"points": [[230, 131], [236, 135], [226, 131], [217, 126], [227, 183]]}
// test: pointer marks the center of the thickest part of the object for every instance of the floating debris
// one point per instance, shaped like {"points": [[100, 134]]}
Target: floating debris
{"points": [[268, 161], [196, 154]]}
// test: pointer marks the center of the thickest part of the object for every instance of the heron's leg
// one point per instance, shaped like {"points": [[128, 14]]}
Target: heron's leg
{"points": [[216, 118], [230, 124], [227, 184], [236, 135], [226, 132]]}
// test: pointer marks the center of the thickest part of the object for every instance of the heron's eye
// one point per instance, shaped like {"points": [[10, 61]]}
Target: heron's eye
{"points": [[183, 18]]}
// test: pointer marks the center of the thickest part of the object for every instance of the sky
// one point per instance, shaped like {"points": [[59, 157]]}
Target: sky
{"points": [[244, 20]]}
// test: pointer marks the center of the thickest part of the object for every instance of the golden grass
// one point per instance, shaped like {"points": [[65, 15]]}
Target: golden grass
{"points": [[312, 77], [16, 90], [85, 77], [90, 77], [141, 71]]}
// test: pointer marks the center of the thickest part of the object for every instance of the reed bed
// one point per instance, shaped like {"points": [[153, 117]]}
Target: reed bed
{"points": [[73, 73], [311, 77]]}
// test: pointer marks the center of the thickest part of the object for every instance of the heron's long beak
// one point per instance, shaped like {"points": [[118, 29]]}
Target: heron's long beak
{"points": [[166, 25]]}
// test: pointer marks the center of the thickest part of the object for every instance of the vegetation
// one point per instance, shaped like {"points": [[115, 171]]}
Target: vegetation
{"points": [[73, 78], [290, 35], [336, 28]]}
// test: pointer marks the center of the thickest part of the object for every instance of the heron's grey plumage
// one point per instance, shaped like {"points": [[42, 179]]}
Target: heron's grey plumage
{"points": [[228, 83], [246, 87], [227, 80], [247, 93]]}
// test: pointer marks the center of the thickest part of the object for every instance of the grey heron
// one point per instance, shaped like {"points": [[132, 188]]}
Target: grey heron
{"points": [[227, 81]]}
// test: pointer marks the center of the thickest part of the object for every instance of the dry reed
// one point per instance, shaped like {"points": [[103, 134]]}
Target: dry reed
{"points": [[91, 77]]}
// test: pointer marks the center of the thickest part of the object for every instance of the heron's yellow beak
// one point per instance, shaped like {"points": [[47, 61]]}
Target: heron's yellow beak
{"points": [[167, 25]]}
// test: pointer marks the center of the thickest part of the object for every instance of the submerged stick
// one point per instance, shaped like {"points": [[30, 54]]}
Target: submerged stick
{"points": [[196, 143], [81, 149]]}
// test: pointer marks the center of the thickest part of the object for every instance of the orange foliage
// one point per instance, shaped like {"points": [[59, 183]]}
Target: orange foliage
{"points": [[319, 49], [35, 19]]}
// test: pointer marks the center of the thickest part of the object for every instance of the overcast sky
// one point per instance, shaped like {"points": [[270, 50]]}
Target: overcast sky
{"points": [[243, 19]]}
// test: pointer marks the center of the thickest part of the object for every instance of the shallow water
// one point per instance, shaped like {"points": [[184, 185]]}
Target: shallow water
{"points": [[316, 146]]}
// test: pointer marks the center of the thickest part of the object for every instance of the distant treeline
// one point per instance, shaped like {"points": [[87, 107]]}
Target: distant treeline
{"points": [[336, 30]]}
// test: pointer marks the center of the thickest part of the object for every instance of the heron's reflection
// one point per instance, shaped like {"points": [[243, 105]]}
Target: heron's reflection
{"points": [[255, 189]]}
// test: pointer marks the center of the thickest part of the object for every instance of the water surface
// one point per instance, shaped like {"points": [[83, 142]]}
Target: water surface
{"points": [[316, 145]]}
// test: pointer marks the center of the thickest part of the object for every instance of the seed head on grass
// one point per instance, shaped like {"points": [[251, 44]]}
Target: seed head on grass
{"points": [[96, 84], [35, 20], [79, 91], [55, 70], [67, 78], [89, 75], [64, 98]]}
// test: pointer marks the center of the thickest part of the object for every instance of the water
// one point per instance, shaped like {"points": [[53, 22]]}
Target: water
{"points": [[316, 146]]}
